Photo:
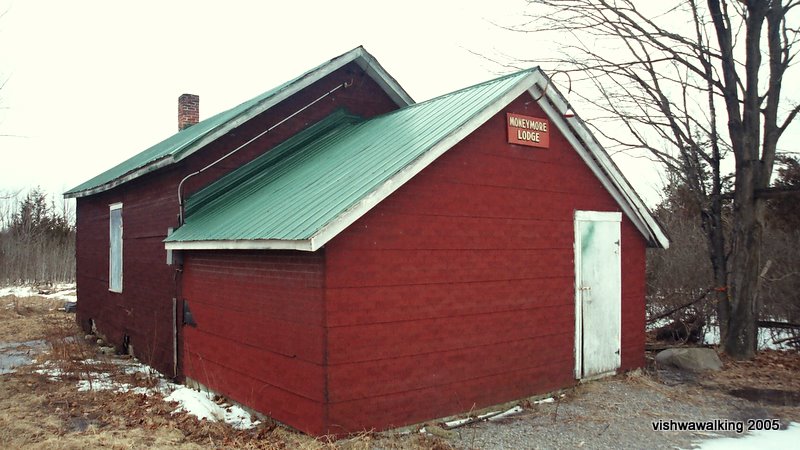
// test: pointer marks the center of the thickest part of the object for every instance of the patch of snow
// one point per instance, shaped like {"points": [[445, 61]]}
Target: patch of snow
{"points": [[138, 367], [52, 374], [17, 291], [65, 291], [787, 438], [202, 405], [66, 296], [658, 323], [96, 382], [766, 337], [17, 354], [194, 402]]}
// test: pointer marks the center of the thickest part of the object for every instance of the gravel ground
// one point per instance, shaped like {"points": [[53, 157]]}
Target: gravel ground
{"points": [[617, 413]]}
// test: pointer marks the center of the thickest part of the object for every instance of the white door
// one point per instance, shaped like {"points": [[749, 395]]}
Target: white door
{"points": [[598, 282]]}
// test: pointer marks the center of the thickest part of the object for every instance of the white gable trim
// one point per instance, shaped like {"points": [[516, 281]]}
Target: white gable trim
{"points": [[554, 105], [593, 154], [358, 55], [596, 158], [355, 212], [389, 85], [345, 219], [154, 165]]}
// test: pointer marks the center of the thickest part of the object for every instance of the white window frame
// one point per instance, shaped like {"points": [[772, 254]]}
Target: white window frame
{"points": [[112, 286]]}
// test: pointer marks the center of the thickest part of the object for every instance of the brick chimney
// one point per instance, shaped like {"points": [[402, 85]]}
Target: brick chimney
{"points": [[188, 111]]}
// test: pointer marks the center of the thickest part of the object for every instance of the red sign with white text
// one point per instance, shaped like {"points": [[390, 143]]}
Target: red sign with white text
{"points": [[526, 130]]}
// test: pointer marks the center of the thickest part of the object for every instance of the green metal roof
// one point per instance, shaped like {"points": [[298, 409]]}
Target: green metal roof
{"points": [[300, 187], [173, 145], [187, 141]]}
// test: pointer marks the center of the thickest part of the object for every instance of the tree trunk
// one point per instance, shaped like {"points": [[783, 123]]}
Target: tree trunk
{"points": [[748, 215], [715, 234]]}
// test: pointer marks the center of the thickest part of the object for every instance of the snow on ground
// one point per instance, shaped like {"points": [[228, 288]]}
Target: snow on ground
{"points": [[97, 375], [658, 323], [766, 337], [64, 291], [787, 438], [200, 404]]}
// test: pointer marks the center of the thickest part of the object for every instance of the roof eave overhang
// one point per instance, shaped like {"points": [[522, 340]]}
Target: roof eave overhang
{"points": [[356, 211], [348, 217], [577, 133], [253, 244], [373, 68], [155, 165], [554, 105], [358, 55], [580, 137]]}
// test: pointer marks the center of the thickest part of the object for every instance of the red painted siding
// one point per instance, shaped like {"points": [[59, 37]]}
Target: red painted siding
{"points": [[454, 293], [143, 311], [259, 337], [457, 291]]}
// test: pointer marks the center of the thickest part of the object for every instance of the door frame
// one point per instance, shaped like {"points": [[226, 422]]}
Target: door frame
{"points": [[586, 216]]}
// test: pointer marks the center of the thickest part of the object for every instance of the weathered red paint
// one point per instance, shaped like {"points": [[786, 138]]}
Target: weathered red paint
{"points": [[457, 291], [454, 293], [143, 311], [260, 337]]}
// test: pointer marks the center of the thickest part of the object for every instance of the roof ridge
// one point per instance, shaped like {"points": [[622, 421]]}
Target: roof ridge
{"points": [[296, 200], [257, 99], [184, 143], [467, 88]]}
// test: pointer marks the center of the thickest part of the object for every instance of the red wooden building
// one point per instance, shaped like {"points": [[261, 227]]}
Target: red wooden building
{"points": [[340, 258]]}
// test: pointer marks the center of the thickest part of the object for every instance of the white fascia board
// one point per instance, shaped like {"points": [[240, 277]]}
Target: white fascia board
{"points": [[389, 85], [267, 104], [577, 133], [155, 165], [255, 244], [610, 186], [344, 220], [214, 134], [359, 55], [659, 237]]}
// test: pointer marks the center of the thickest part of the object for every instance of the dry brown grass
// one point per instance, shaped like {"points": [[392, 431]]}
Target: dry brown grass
{"points": [[27, 318], [39, 414], [36, 412], [770, 369]]}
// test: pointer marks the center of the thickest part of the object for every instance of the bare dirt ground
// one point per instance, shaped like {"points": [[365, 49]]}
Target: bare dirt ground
{"points": [[39, 412], [619, 412]]}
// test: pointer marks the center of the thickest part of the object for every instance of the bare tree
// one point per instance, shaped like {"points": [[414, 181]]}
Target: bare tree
{"points": [[692, 82], [37, 239]]}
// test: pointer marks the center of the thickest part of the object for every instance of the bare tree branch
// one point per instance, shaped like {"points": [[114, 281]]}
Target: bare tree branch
{"points": [[689, 83]]}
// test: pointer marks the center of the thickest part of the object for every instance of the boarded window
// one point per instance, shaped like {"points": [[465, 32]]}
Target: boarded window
{"points": [[115, 248]]}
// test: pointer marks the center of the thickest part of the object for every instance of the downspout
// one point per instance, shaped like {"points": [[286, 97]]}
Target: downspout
{"points": [[174, 337], [177, 301], [346, 84]]}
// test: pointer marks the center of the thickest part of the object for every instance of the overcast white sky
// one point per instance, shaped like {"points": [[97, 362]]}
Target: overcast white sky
{"points": [[90, 83]]}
